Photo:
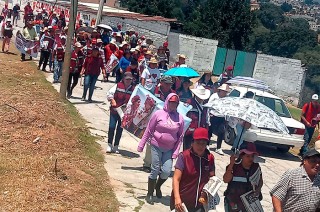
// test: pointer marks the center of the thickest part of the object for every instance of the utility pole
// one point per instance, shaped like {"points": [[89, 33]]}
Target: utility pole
{"points": [[100, 10], [67, 56]]}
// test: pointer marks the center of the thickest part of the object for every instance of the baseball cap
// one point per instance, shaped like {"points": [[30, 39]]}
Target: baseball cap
{"points": [[229, 68], [166, 79], [174, 99], [315, 97], [99, 40], [249, 148], [201, 134], [310, 153], [77, 44]]}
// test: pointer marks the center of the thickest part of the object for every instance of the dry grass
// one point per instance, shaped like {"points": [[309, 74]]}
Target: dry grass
{"points": [[64, 170]]}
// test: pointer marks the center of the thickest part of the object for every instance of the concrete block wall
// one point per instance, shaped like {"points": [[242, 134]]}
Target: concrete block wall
{"points": [[201, 52], [285, 76], [157, 31]]}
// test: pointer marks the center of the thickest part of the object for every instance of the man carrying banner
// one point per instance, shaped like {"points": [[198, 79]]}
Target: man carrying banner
{"points": [[164, 88], [47, 42], [118, 99], [29, 33]]}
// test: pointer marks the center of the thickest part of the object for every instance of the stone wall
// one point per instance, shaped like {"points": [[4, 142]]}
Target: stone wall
{"points": [[285, 76], [200, 52], [157, 31]]}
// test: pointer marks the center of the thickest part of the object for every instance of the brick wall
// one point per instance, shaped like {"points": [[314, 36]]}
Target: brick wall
{"points": [[201, 52], [157, 31], [285, 76]]}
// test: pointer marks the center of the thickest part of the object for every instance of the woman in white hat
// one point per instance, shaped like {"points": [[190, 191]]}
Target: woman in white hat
{"points": [[150, 76], [198, 114], [7, 33]]}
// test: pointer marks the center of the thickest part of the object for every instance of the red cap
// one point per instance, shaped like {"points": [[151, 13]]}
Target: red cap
{"points": [[201, 134], [143, 37], [166, 44], [174, 99], [94, 41], [229, 68], [249, 149]]}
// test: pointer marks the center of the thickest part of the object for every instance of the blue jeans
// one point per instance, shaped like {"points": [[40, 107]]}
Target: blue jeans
{"points": [[161, 163], [89, 83], [238, 141], [114, 123], [307, 138], [57, 70]]}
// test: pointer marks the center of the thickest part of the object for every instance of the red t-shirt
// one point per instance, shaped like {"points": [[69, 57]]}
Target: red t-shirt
{"points": [[310, 112], [92, 65]]}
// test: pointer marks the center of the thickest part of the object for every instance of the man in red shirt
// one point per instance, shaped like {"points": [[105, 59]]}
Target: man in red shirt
{"points": [[309, 117], [91, 70]]}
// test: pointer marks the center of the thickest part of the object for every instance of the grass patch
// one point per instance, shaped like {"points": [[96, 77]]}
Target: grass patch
{"points": [[31, 108]]}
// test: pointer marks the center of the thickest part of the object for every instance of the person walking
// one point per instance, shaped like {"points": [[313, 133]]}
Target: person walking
{"points": [[76, 62], [7, 33], [226, 76], [150, 76], [123, 64], [47, 43], [58, 57], [299, 189], [184, 91], [205, 80], [16, 14], [194, 166], [310, 119], [164, 133], [118, 98], [217, 124], [239, 176], [181, 61], [91, 70], [164, 88], [29, 33]]}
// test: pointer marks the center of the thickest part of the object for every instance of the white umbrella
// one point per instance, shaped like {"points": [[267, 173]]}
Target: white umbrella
{"points": [[104, 26], [248, 110]]}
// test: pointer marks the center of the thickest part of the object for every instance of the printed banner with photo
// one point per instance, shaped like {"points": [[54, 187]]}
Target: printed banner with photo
{"points": [[251, 202], [141, 106], [27, 46], [112, 63]]}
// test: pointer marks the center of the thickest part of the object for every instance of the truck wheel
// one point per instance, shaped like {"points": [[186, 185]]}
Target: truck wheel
{"points": [[229, 135]]}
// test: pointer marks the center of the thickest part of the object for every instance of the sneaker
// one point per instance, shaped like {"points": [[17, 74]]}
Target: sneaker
{"points": [[90, 100], [109, 148], [83, 99], [116, 149], [219, 151]]}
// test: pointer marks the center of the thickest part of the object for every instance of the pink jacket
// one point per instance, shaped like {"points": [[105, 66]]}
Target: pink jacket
{"points": [[164, 130]]}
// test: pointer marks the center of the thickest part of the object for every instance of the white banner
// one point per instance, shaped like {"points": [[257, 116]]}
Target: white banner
{"points": [[27, 46]]}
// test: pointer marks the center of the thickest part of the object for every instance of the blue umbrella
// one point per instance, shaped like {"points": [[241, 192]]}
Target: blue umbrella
{"points": [[182, 72]]}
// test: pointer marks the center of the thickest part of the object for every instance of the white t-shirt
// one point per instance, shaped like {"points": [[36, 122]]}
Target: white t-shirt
{"points": [[151, 76]]}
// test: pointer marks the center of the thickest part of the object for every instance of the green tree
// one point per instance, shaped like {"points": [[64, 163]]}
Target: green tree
{"points": [[286, 7], [270, 15]]}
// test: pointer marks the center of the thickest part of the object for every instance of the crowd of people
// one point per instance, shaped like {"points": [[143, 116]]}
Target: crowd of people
{"points": [[139, 61]]}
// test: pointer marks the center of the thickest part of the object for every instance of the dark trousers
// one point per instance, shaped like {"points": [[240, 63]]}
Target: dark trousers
{"points": [[114, 124], [75, 78], [23, 56], [307, 138], [44, 58], [187, 141], [217, 127], [89, 83]]}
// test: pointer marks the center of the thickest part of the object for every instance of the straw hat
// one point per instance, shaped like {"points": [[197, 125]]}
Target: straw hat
{"points": [[132, 50], [148, 53], [181, 56], [224, 87], [207, 72], [201, 92], [153, 60]]}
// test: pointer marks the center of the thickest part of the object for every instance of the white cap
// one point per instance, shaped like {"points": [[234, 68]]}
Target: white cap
{"points": [[315, 97], [77, 44]]}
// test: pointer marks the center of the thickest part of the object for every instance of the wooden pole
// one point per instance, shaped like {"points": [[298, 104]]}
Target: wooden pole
{"points": [[67, 56], [100, 10]]}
